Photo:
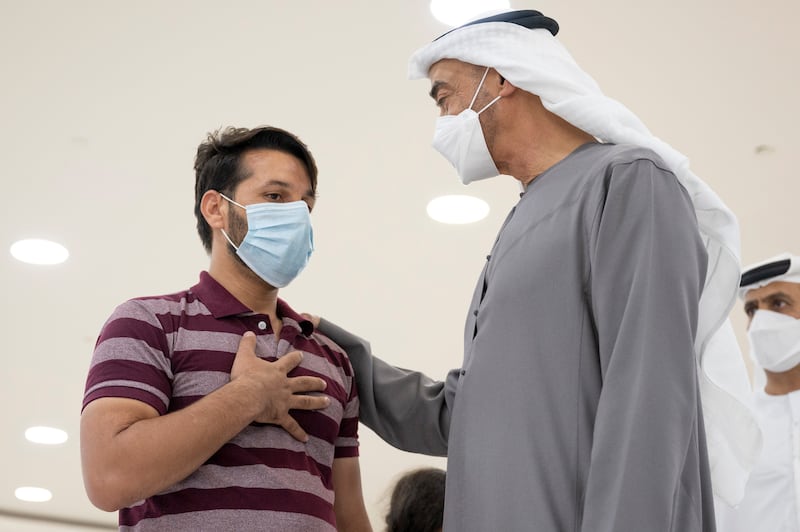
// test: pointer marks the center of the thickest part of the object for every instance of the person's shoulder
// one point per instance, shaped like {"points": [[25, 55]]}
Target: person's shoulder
{"points": [[610, 156], [617, 155], [332, 350], [596, 166], [154, 304], [182, 295], [627, 176], [160, 300], [327, 343], [609, 167], [145, 316], [612, 166]]}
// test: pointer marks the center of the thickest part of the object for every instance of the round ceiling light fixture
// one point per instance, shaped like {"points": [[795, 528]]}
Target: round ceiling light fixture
{"points": [[32, 494], [457, 12], [457, 209], [46, 435], [39, 251]]}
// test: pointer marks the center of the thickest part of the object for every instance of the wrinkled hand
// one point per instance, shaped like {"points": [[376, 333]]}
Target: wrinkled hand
{"points": [[277, 392], [314, 319]]}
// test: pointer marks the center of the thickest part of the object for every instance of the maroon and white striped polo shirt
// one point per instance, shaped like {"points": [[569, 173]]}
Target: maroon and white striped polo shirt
{"points": [[169, 351]]}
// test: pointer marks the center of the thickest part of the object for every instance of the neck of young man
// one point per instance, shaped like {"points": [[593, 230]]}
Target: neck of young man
{"points": [[782, 383], [247, 287]]}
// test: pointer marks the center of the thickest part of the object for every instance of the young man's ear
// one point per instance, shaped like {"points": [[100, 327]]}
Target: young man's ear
{"points": [[211, 206]]}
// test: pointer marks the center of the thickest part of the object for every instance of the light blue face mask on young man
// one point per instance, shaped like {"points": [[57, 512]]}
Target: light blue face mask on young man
{"points": [[279, 240]]}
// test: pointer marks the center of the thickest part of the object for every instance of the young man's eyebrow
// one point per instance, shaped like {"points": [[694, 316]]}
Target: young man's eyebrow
{"points": [[309, 193], [277, 182]]}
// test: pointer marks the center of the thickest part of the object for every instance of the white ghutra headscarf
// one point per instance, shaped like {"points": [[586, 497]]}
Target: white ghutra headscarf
{"points": [[535, 61]]}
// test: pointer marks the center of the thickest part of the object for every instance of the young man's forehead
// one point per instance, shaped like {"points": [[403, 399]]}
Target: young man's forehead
{"points": [[268, 168]]}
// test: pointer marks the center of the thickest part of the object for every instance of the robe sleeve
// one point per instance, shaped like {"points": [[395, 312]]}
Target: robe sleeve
{"points": [[405, 408], [648, 266]]}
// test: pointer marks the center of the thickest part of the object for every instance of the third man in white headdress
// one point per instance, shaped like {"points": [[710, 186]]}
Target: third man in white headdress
{"points": [[770, 291]]}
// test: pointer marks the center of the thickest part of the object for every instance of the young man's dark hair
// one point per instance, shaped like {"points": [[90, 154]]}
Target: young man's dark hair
{"points": [[417, 503], [217, 165]]}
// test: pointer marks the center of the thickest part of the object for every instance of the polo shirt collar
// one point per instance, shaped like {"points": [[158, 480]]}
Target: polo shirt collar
{"points": [[222, 304]]}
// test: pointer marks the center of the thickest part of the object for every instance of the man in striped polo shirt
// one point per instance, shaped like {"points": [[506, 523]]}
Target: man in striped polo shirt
{"points": [[219, 407]]}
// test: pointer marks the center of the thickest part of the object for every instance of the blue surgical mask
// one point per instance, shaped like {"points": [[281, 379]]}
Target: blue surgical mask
{"points": [[279, 240]]}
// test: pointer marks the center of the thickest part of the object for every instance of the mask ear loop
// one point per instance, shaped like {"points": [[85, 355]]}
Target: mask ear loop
{"points": [[224, 233], [475, 96], [234, 246], [485, 107], [227, 198]]}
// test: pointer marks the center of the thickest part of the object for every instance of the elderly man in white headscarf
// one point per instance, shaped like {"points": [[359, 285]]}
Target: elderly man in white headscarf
{"points": [[591, 333], [771, 293]]}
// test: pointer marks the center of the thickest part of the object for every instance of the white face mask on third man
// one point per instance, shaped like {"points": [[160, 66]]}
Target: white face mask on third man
{"points": [[775, 340], [459, 138]]}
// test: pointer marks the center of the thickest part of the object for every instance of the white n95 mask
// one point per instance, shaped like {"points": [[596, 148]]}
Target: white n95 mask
{"points": [[775, 340], [279, 240], [459, 138]]}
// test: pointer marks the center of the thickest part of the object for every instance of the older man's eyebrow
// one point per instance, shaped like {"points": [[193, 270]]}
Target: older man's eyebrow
{"points": [[435, 89]]}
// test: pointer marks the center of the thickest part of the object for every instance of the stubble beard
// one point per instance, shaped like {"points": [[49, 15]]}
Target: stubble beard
{"points": [[237, 230]]}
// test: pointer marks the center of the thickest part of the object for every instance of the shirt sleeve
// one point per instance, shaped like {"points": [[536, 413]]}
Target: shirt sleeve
{"points": [[405, 408], [131, 359], [347, 439], [648, 264]]}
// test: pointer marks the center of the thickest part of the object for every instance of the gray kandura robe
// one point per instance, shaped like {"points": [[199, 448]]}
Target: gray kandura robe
{"points": [[577, 406]]}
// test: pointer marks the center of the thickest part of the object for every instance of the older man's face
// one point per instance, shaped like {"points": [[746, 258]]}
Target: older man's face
{"points": [[779, 297], [453, 84]]}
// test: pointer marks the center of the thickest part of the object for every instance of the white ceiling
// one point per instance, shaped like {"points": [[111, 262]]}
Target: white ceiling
{"points": [[104, 102]]}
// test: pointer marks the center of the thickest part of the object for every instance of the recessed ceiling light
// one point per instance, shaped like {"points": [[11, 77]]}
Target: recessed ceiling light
{"points": [[39, 251], [46, 435], [457, 12], [31, 494], [457, 209]]}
